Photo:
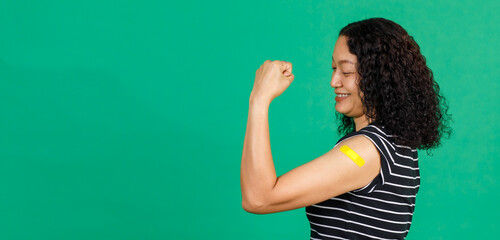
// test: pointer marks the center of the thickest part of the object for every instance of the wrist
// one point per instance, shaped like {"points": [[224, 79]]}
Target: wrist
{"points": [[259, 99]]}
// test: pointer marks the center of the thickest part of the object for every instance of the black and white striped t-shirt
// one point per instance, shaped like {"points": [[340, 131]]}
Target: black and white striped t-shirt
{"points": [[383, 208]]}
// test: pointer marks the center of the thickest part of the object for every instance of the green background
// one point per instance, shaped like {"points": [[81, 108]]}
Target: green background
{"points": [[126, 119]]}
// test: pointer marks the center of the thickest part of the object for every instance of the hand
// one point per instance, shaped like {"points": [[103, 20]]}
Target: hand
{"points": [[271, 80]]}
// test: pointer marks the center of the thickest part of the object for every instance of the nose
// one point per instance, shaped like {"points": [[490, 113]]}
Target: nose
{"points": [[336, 81]]}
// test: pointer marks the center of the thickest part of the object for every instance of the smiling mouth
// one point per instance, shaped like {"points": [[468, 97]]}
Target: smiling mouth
{"points": [[341, 97]]}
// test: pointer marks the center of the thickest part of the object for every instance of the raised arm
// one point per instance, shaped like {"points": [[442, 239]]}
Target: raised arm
{"points": [[327, 176]]}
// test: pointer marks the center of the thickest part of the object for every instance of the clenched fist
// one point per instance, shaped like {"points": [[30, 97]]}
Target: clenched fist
{"points": [[271, 80]]}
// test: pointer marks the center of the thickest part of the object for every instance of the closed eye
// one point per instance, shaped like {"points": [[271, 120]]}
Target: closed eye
{"points": [[345, 73]]}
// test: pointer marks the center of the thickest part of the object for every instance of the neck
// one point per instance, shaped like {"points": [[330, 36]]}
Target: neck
{"points": [[361, 122]]}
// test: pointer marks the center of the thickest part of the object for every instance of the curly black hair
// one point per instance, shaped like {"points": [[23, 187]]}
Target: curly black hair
{"points": [[399, 91]]}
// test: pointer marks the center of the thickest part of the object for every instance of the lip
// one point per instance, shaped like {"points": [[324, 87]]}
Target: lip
{"points": [[338, 99]]}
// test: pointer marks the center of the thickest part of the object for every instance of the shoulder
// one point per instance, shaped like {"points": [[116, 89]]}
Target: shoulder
{"points": [[369, 138], [375, 134], [364, 148], [363, 145]]}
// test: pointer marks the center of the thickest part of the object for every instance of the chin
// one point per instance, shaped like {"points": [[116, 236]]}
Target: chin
{"points": [[340, 110], [343, 112]]}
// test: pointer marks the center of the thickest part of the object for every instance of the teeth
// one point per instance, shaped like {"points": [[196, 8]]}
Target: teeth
{"points": [[343, 95]]}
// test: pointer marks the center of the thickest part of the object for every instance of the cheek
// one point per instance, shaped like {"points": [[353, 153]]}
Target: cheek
{"points": [[357, 100]]}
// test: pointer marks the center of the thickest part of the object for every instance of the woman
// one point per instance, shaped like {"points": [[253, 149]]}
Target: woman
{"points": [[389, 106]]}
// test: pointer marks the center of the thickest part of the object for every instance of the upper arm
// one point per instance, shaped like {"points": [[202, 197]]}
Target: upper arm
{"points": [[327, 176]]}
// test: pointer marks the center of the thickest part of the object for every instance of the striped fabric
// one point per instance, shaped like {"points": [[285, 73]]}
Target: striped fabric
{"points": [[383, 208]]}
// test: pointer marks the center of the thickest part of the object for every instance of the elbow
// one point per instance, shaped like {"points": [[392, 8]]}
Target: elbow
{"points": [[256, 207]]}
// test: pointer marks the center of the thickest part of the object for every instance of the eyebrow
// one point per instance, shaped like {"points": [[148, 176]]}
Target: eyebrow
{"points": [[344, 61]]}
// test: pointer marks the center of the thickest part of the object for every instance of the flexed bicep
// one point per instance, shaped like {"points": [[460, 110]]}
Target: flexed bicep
{"points": [[327, 176]]}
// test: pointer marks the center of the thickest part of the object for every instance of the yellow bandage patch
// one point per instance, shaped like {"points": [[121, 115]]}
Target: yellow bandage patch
{"points": [[352, 155]]}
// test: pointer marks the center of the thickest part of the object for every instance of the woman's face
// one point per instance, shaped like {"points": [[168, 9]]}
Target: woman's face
{"points": [[345, 80]]}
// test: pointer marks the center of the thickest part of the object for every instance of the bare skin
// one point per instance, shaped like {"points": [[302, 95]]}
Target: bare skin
{"points": [[344, 80], [324, 177]]}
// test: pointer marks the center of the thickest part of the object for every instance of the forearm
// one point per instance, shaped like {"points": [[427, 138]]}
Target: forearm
{"points": [[258, 175]]}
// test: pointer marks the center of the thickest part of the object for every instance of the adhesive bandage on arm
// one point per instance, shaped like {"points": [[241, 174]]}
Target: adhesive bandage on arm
{"points": [[352, 155]]}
